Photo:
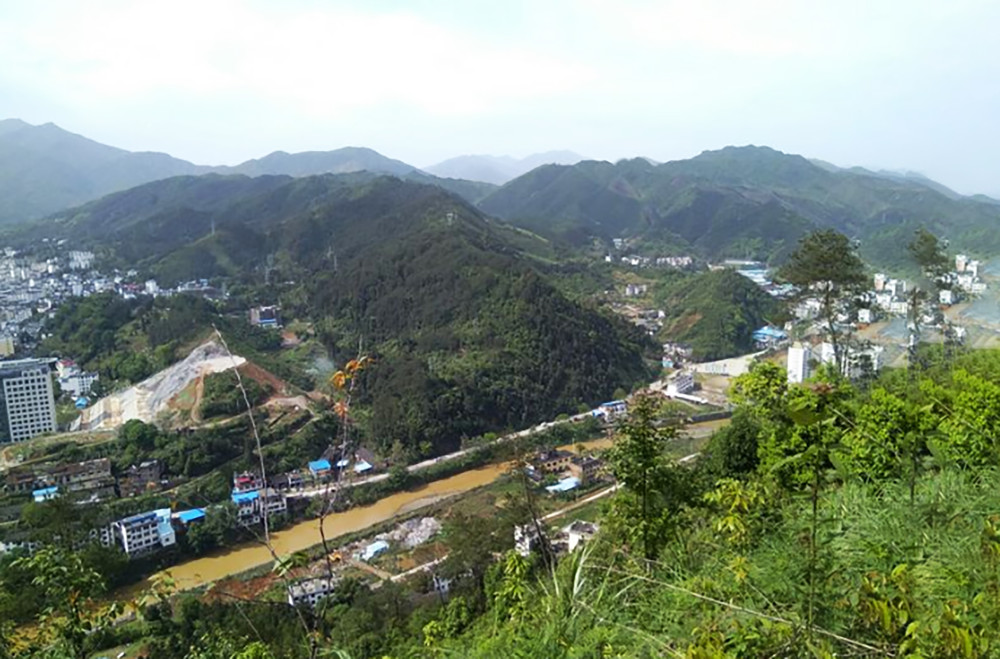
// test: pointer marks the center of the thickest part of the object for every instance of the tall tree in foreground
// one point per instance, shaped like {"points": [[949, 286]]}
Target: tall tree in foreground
{"points": [[826, 265], [653, 490]]}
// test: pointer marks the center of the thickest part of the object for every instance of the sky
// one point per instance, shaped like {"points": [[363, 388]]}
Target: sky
{"points": [[895, 84]]}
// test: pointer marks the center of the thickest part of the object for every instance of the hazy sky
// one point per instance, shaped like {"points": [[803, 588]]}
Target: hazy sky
{"points": [[896, 84]]}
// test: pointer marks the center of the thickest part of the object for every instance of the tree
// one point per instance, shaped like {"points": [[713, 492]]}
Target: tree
{"points": [[71, 613], [652, 489], [826, 265]]}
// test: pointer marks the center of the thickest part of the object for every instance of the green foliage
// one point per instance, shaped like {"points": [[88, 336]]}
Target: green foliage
{"points": [[222, 397], [717, 312]]}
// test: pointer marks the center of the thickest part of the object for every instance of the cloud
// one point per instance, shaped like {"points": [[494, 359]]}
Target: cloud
{"points": [[322, 61]]}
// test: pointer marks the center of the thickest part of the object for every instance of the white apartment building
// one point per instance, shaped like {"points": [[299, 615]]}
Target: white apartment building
{"points": [[310, 591], [144, 533], [799, 369], [29, 407]]}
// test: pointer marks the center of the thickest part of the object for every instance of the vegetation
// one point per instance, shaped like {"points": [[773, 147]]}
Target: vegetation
{"points": [[744, 202], [717, 312], [826, 520]]}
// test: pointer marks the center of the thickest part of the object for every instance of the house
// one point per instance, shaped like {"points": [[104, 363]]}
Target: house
{"points": [[585, 468], [374, 549], [247, 481], [247, 507], [769, 337], [20, 479], [319, 468], [267, 316], [144, 533], [611, 409], [309, 592], [275, 502], [188, 516], [946, 297], [141, 478], [362, 466], [681, 383], [865, 316], [552, 461], [527, 539]]}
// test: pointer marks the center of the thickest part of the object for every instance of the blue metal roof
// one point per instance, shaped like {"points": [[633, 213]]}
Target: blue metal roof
{"points": [[770, 332], [319, 465], [191, 515], [45, 493], [362, 466], [564, 485], [343, 462], [374, 549], [244, 497]]}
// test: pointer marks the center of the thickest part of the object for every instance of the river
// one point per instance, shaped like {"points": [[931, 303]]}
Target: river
{"points": [[215, 566]]}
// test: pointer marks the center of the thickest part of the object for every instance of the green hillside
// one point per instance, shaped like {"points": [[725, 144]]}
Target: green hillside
{"points": [[742, 201], [468, 333], [716, 313]]}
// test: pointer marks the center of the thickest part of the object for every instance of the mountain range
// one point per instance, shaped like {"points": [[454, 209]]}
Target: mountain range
{"points": [[499, 169], [44, 169], [749, 202]]}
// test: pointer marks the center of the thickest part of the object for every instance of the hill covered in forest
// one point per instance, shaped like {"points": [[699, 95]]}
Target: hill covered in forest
{"points": [[750, 202], [467, 331]]}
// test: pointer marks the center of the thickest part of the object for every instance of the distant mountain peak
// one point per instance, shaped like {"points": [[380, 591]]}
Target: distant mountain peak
{"points": [[499, 169]]}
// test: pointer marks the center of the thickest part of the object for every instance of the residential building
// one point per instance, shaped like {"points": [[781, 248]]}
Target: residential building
{"points": [[145, 533], [141, 478], [960, 262], [681, 383], [552, 462], [309, 592], [799, 368], [585, 468], [611, 409], [6, 346], [247, 507], [769, 337], [265, 317], [26, 396], [880, 279], [865, 316], [946, 296], [79, 383], [247, 481], [527, 539], [20, 479], [319, 468]]}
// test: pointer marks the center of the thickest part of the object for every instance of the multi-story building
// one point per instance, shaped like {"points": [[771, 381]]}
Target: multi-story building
{"points": [[585, 468], [29, 407], [141, 478], [310, 591], [799, 368], [145, 533]]}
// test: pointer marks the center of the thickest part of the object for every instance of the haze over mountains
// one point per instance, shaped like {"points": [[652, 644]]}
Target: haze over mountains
{"points": [[499, 169], [44, 169]]}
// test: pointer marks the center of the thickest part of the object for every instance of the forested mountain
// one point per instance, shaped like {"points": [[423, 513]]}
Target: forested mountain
{"points": [[467, 332], [741, 201], [499, 169], [716, 312], [44, 169]]}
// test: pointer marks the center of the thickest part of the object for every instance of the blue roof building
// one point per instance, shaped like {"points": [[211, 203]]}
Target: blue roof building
{"points": [[188, 516], [318, 467], [243, 498], [769, 335], [45, 494], [565, 485], [362, 466], [374, 549]]}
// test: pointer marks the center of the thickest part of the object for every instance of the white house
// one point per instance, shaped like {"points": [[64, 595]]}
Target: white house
{"points": [[144, 533], [310, 591]]}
